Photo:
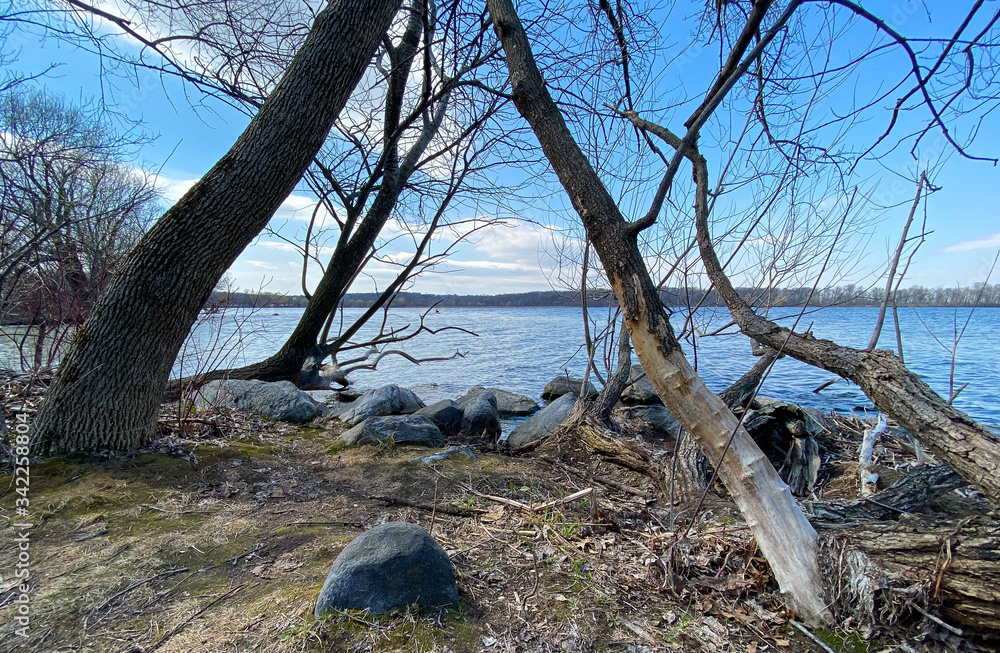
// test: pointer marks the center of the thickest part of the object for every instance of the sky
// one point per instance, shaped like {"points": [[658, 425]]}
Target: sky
{"points": [[964, 216]]}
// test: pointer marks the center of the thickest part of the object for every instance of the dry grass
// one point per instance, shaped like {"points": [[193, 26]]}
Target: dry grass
{"points": [[220, 542]]}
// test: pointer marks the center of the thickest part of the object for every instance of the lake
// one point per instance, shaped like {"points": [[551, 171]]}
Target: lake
{"points": [[521, 349]]}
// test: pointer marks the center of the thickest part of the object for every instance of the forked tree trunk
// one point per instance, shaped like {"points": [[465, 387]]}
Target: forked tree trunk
{"points": [[108, 389], [782, 531]]}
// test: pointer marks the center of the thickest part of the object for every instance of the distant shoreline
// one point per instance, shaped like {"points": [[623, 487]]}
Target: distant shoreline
{"points": [[847, 297]]}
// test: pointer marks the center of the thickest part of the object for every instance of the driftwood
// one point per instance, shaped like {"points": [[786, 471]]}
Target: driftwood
{"points": [[886, 572]]}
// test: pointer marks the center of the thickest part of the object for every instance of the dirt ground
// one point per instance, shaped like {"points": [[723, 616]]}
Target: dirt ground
{"points": [[219, 536]]}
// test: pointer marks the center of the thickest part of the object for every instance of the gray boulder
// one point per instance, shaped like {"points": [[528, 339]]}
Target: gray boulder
{"points": [[280, 401], [399, 429], [656, 416], [541, 423], [479, 412], [387, 400], [640, 390], [446, 414], [511, 404], [560, 386], [390, 566]]}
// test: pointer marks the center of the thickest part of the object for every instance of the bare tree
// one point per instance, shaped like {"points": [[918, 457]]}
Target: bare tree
{"points": [[782, 531], [69, 210], [108, 388]]}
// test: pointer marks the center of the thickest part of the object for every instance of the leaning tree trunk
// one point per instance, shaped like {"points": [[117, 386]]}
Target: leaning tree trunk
{"points": [[782, 531], [108, 389], [302, 347], [958, 440]]}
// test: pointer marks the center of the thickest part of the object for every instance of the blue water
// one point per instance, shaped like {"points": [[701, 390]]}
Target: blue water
{"points": [[521, 349]]}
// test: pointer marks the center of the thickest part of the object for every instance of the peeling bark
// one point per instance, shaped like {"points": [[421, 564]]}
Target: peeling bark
{"points": [[782, 531]]}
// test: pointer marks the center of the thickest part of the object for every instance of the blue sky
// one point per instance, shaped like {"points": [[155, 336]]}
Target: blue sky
{"points": [[964, 216]]}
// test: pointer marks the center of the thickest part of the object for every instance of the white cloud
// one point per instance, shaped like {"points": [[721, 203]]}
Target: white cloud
{"points": [[989, 242]]}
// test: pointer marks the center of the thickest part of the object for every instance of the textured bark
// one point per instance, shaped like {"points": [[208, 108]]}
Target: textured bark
{"points": [[612, 390], [108, 389], [955, 438], [782, 531], [302, 349], [952, 565]]}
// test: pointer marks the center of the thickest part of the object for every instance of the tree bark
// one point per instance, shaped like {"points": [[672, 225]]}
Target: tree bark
{"points": [[108, 388], [782, 531], [955, 438]]}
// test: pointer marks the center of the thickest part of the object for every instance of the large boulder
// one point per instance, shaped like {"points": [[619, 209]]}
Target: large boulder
{"points": [[387, 400], [512, 404], [446, 414], [479, 412], [398, 429], [639, 390], [541, 423], [390, 566], [561, 385], [280, 400]]}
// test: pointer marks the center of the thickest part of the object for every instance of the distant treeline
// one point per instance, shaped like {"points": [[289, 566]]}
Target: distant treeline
{"points": [[978, 294]]}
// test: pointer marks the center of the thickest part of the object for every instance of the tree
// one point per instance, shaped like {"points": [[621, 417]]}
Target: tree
{"points": [[782, 531], [69, 210], [108, 387], [417, 114]]}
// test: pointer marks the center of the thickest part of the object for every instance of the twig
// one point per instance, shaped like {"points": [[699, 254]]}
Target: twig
{"points": [[325, 523], [184, 623], [139, 584], [957, 631], [805, 631], [559, 502], [457, 512]]}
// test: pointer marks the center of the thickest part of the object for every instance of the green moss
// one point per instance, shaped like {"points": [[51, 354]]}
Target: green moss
{"points": [[846, 641]]}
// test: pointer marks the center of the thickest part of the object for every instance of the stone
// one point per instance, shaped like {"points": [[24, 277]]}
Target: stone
{"points": [[390, 566], [280, 401], [561, 385], [512, 404], [541, 423], [446, 414], [662, 421], [398, 429], [479, 412], [640, 390], [446, 453], [387, 400]]}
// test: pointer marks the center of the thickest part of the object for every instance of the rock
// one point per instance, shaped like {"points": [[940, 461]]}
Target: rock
{"points": [[387, 400], [641, 390], [541, 423], [446, 414], [390, 566], [560, 386], [511, 404], [399, 429], [280, 401], [445, 453], [479, 412], [658, 417]]}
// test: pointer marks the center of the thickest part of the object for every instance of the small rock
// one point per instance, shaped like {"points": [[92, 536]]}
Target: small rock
{"points": [[390, 566], [445, 453], [541, 423], [560, 386], [280, 401], [399, 429], [387, 400]]}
